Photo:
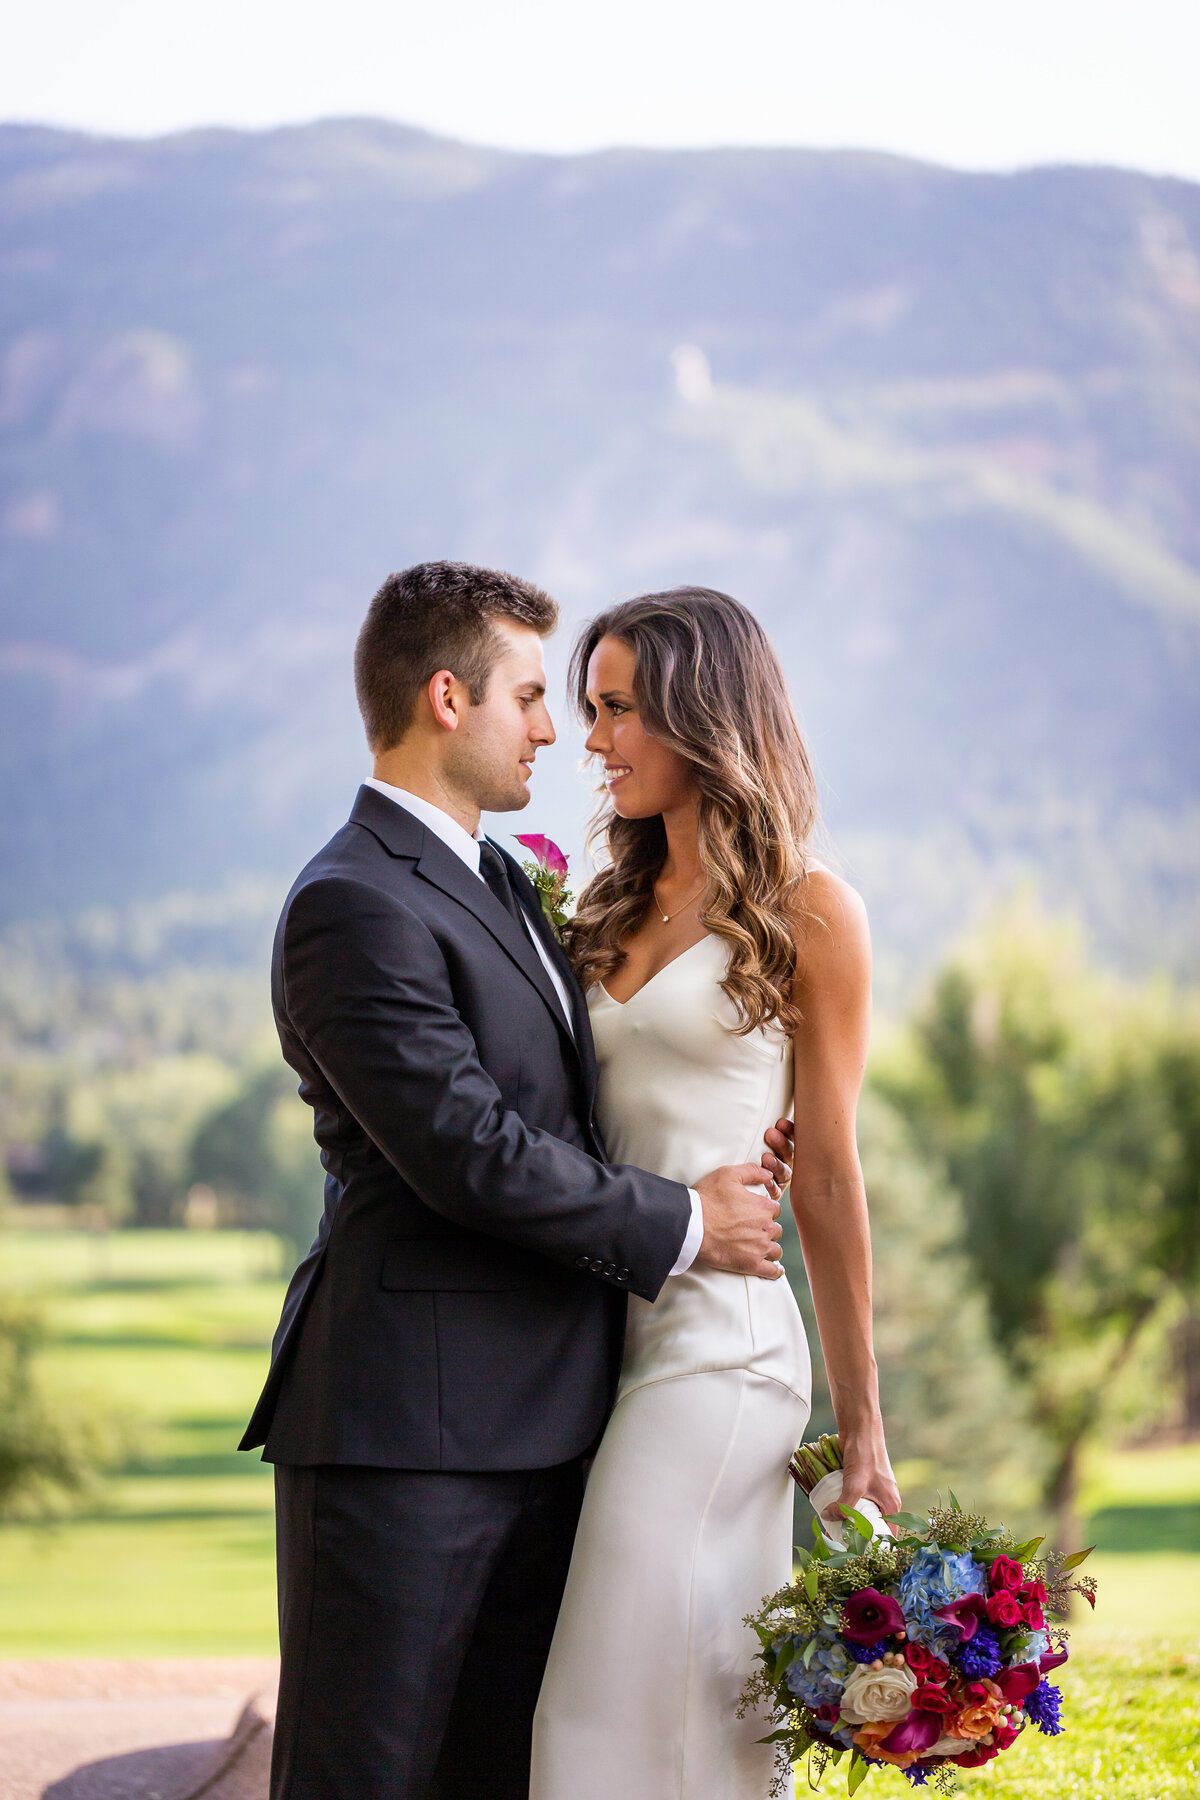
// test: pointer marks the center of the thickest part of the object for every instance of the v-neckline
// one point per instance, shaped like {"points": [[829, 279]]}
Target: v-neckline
{"points": [[656, 974]]}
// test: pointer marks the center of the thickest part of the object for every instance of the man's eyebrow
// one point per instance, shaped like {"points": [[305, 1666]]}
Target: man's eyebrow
{"points": [[534, 687]]}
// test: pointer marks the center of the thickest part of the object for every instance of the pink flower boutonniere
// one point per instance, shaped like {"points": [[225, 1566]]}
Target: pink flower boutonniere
{"points": [[548, 873]]}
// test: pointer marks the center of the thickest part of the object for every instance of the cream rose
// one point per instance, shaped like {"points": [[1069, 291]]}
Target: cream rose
{"points": [[874, 1694]]}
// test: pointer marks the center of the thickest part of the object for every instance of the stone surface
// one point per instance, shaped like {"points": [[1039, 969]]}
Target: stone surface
{"points": [[132, 1729]]}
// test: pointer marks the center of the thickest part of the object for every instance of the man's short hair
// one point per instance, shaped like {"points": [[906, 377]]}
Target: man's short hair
{"points": [[436, 615]]}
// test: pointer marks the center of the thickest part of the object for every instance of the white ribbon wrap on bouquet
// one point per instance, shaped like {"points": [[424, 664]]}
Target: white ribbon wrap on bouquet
{"points": [[829, 1489]]}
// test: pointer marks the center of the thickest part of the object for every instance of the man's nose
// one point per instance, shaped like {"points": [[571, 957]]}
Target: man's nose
{"points": [[544, 732]]}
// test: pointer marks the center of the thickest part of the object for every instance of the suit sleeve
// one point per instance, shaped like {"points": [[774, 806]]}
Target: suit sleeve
{"points": [[366, 988]]}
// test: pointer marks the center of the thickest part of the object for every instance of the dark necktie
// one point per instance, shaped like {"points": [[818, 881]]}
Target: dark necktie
{"points": [[491, 867]]}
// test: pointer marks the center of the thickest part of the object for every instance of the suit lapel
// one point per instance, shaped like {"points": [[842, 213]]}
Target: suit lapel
{"points": [[439, 866], [580, 1018], [403, 835]]}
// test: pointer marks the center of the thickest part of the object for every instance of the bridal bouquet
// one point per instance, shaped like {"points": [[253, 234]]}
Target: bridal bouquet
{"points": [[927, 1651]]}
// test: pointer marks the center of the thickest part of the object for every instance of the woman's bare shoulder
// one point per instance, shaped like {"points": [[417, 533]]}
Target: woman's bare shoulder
{"points": [[832, 933]]}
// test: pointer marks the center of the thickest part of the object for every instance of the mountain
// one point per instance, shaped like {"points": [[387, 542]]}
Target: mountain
{"points": [[940, 430]]}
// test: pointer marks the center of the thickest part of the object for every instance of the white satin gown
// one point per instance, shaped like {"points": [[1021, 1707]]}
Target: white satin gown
{"points": [[687, 1520]]}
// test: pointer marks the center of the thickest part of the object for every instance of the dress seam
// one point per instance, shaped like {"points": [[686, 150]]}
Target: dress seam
{"points": [[738, 1368], [703, 1520]]}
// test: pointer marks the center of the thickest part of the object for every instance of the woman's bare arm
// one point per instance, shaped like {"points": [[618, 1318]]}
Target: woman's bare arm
{"points": [[833, 987]]}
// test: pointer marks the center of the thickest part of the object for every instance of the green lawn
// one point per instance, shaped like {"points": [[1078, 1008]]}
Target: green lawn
{"points": [[175, 1327]]}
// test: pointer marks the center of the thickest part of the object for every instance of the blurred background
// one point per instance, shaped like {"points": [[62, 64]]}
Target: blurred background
{"points": [[886, 321]]}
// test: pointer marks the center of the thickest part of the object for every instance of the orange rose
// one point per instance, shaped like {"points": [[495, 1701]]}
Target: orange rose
{"points": [[975, 1721]]}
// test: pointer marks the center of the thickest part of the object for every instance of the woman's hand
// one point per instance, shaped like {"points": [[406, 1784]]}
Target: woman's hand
{"points": [[780, 1153], [866, 1475]]}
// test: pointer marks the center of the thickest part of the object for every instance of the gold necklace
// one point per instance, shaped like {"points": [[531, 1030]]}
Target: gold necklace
{"points": [[666, 917]]}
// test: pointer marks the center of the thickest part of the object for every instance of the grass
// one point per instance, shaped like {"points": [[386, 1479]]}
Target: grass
{"points": [[176, 1326], [175, 1329]]}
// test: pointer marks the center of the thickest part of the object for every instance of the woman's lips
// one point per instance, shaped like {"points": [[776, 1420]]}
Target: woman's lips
{"points": [[617, 773]]}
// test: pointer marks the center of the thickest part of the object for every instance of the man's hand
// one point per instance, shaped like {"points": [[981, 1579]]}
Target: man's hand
{"points": [[780, 1153], [741, 1226]]}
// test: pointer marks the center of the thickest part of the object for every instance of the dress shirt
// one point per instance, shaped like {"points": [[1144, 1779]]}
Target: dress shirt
{"points": [[466, 847]]}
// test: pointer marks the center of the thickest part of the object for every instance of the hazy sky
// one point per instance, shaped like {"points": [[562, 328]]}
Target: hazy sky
{"points": [[968, 82]]}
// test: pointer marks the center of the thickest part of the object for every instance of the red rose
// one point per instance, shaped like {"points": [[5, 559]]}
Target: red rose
{"points": [[924, 1664], [869, 1615], [1033, 1616], [928, 1698], [1006, 1575], [975, 1694], [1032, 1590], [974, 1759], [1004, 1609]]}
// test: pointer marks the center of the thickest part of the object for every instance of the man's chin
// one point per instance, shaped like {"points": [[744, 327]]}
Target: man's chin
{"points": [[515, 800]]}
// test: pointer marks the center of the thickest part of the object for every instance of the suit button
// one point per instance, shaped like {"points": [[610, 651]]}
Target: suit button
{"points": [[610, 1270], [597, 1268], [583, 1262], [622, 1274]]}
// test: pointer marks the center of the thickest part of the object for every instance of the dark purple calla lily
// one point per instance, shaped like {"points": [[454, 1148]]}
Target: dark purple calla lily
{"points": [[1018, 1683], [869, 1615], [1053, 1659], [964, 1615], [545, 850], [917, 1730]]}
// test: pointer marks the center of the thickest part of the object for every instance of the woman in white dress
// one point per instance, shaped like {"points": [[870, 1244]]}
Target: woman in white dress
{"points": [[728, 981]]}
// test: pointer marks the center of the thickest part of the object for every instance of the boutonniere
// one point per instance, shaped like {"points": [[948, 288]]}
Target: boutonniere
{"points": [[548, 873]]}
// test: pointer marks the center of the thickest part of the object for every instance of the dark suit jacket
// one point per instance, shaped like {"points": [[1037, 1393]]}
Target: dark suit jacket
{"points": [[463, 1304]]}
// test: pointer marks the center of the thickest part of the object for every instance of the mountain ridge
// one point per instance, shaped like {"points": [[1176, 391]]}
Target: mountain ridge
{"points": [[938, 429]]}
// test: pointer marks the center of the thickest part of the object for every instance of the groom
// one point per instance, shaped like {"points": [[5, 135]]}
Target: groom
{"points": [[448, 1349]]}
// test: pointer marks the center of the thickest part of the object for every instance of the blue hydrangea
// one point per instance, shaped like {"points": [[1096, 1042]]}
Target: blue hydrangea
{"points": [[829, 1668], [869, 1653], [980, 1656], [933, 1579], [1044, 1706], [1027, 1647]]}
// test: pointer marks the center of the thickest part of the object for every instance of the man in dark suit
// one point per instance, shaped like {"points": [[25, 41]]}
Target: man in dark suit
{"points": [[448, 1349]]}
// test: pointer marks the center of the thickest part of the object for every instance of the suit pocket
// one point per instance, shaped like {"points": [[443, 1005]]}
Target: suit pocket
{"points": [[453, 1266]]}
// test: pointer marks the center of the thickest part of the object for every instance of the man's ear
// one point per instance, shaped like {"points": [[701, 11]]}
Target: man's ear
{"points": [[447, 697]]}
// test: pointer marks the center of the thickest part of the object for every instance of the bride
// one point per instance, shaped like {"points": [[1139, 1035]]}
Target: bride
{"points": [[728, 979]]}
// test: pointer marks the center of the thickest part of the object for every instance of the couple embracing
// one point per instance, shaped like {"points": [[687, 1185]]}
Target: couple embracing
{"points": [[535, 1387]]}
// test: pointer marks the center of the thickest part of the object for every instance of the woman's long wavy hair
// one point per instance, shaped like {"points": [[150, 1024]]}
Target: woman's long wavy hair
{"points": [[708, 684]]}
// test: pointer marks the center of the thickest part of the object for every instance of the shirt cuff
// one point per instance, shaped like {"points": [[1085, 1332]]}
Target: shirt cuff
{"points": [[690, 1248]]}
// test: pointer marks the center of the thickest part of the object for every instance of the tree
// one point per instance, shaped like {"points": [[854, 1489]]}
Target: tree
{"points": [[949, 1407], [53, 1452], [256, 1153], [1066, 1112]]}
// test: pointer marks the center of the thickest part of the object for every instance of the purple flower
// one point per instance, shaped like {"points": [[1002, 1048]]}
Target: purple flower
{"points": [[980, 1656], [1053, 1658], [869, 1615], [545, 851], [918, 1730], [963, 1615], [1043, 1707], [866, 1653], [916, 1775]]}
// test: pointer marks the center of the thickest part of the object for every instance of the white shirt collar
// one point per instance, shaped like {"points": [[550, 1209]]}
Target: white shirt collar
{"points": [[449, 830]]}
